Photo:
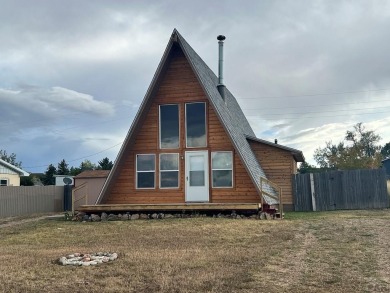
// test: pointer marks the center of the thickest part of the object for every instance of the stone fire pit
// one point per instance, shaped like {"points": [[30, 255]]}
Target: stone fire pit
{"points": [[79, 259]]}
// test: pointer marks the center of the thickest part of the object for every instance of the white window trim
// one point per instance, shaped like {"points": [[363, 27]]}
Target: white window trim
{"points": [[6, 179], [159, 125], [136, 172], [205, 121], [178, 171], [212, 169]]}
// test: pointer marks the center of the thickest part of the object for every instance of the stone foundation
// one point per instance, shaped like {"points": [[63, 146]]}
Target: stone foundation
{"points": [[83, 217]]}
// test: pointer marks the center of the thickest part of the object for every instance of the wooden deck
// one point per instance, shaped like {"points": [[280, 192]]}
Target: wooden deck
{"points": [[170, 207]]}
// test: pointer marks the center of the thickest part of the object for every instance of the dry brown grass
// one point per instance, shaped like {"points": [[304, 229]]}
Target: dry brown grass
{"points": [[321, 252]]}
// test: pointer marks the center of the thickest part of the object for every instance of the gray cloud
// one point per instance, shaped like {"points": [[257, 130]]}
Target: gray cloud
{"points": [[89, 60]]}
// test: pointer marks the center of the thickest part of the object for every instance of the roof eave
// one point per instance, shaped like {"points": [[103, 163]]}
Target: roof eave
{"points": [[21, 172]]}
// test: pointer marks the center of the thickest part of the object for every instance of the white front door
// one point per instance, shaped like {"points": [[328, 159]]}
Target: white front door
{"points": [[197, 176]]}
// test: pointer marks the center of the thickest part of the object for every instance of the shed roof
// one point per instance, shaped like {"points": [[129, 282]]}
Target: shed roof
{"points": [[228, 111], [14, 168], [93, 174], [297, 154]]}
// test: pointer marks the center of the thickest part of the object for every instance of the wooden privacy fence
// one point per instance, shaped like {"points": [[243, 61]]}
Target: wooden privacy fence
{"points": [[340, 190], [26, 200]]}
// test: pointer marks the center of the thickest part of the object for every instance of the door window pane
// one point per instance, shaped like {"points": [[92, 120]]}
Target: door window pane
{"points": [[169, 126], [196, 124], [146, 168], [197, 178], [222, 169], [169, 170]]}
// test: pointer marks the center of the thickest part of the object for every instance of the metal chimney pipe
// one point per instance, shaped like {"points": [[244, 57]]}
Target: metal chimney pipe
{"points": [[221, 86], [220, 39]]}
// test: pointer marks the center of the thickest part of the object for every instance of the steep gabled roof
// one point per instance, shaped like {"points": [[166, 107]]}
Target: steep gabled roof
{"points": [[297, 154], [14, 168], [228, 111]]}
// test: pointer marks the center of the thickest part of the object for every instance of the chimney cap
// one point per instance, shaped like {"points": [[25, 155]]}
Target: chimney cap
{"points": [[221, 38]]}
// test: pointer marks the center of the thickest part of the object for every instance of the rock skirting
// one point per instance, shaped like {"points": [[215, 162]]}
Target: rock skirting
{"points": [[83, 217], [79, 259]]}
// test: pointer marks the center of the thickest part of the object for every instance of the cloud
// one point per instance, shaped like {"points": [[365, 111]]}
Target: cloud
{"points": [[31, 107]]}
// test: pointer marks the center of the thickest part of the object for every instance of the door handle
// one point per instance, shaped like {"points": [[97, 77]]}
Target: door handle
{"points": [[187, 178]]}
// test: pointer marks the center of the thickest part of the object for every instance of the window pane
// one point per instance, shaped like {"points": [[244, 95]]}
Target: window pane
{"points": [[222, 178], [145, 163], [196, 124], [196, 163], [3, 182], [169, 179], [197, 178], [169, 126], [169, 162], [222, 160], [145, 179]]}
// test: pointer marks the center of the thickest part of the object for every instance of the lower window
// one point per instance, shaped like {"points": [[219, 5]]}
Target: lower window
{"points": [[146, 170], [3, 182], [169, 170], [222, 169]]}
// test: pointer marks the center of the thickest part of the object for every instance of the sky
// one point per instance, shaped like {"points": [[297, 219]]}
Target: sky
{"points": [[73, 73]]}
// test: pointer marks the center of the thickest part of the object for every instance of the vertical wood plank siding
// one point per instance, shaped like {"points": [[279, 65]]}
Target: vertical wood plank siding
{"points": [[179, 86], [278, 165], [26, 200], [341, 190]]}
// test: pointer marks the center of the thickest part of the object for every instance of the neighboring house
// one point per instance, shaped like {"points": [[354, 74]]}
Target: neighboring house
{"points": [[191, 143], [386, 165], [89, 183], [10, 175]]}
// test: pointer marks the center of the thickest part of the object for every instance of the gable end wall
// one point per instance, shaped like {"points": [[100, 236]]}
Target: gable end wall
{"points": [[179, 85]]}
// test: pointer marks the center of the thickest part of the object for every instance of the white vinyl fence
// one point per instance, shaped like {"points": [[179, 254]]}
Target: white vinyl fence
{"points": [[27, 200]]}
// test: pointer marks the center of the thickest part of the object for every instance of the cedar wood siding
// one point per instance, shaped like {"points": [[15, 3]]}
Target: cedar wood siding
{"points": [[179, 85], [278, 165]]}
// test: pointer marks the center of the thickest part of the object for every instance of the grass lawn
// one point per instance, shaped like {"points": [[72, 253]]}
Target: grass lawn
{"points": [[344, 251]]}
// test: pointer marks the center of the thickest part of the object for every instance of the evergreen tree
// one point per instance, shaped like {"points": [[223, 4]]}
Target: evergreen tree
{"points": [[62, 168], [49, 178], [385, 151], [105, 164]]}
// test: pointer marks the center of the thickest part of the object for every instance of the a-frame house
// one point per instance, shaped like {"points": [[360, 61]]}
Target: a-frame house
{"points": [[191, 145]]}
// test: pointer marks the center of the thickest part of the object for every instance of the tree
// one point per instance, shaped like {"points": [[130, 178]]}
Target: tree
{"points": [[87, 165], [74, 171], [359, 150], [307, 168], [105, 164], [10, 158], [26, 181], [385, 151], [49, 178], [62, 168]]}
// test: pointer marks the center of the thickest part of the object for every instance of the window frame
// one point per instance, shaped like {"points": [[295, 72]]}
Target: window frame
{"points": [[205, 124], [159, 126], [212, 169], [136, 172], [178, 170]]}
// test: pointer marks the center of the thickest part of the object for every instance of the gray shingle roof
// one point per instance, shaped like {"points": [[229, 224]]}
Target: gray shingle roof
{"points": [[229, 112]]}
